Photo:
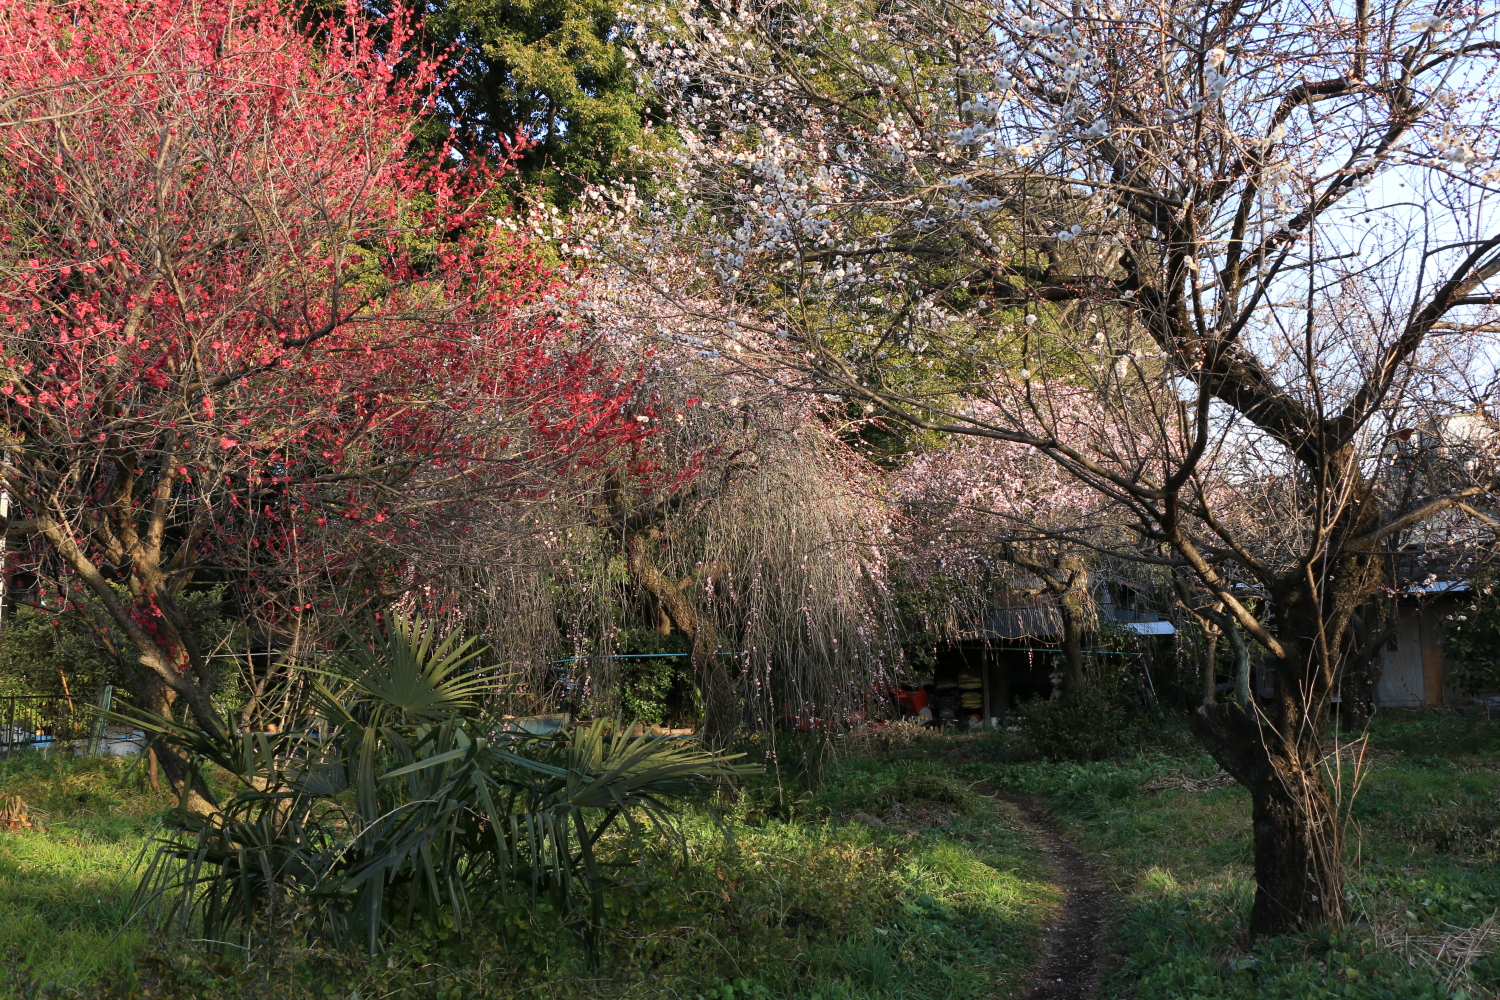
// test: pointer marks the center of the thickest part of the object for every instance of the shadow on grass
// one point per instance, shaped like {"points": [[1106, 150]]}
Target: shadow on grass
{"points": [[1423, 886], [65, 887]]}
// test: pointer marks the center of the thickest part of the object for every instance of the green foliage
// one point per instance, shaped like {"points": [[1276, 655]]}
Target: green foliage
{"points": [[646, 686], [1427, 802], [41, 648], [654, 691], [1083, 725], [552, 70], [1471, 642], [409, 803], [868, 963], [922, 608], [1467, 827]]}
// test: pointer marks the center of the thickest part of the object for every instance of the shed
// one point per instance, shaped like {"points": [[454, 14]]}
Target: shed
{"points": [[1412, 670]]}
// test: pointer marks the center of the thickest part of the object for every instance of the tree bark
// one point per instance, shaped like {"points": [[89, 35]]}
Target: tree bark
{"points": [[1369, 630], [1227, 628], [1209, 678], [1298, 835], [187, 784], [1242, 694], [1073, 608], [721, 708], [1277, 754]]}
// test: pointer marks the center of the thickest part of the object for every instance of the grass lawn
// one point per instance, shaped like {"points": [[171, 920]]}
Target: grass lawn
{"points": [[1175, 842], [895, 880], [65, 891]]}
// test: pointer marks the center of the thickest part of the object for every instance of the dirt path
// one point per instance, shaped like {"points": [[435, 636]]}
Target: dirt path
{"points": [[1069, 967]]}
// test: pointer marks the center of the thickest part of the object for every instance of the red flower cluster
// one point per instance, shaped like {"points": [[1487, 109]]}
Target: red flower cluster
{"points": [[233, 307]]}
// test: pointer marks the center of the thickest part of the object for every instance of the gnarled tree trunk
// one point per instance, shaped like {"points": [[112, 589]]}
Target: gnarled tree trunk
{"points": [[721, 706], [152, 696], [1276, 751], [1298, 834]]}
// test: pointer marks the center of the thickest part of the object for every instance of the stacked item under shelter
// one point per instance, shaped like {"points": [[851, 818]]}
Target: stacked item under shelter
{"points": [[971, 696]]}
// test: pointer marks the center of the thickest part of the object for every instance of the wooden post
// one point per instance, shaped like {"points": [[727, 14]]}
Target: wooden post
{"points": [[984, 679], [1004, 692]]}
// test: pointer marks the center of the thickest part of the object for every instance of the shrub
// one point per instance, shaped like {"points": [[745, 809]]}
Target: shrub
{"points": [[411, 804], [1083, 726]]}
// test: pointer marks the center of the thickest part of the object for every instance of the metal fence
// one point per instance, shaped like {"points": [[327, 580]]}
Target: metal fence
{"points": [[65, 723]]}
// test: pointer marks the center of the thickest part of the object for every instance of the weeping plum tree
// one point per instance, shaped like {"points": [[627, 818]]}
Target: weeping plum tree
{"points": [[998, 515], [771, 539], [1255, 237], [743, 524], [239, 325]]}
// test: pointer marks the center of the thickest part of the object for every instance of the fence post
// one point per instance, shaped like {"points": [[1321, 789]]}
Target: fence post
{"points": [[105, 702]]}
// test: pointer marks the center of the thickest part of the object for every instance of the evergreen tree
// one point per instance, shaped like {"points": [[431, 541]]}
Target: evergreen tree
{"points": [[552, 70]]}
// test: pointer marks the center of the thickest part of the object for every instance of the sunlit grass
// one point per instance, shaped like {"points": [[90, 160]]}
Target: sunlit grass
{"points": [[892, 881], [65, 887]]}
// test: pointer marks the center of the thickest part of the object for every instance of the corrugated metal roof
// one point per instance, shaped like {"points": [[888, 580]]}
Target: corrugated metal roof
{"points": [[1151, 628], [1022, 623]]}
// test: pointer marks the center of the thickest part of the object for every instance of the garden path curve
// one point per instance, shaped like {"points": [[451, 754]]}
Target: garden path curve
{"points": [[1071, 949]]}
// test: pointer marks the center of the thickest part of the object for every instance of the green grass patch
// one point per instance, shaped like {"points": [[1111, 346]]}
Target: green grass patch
{"points": [[892, 880], [65, 887], [1174, 839]]}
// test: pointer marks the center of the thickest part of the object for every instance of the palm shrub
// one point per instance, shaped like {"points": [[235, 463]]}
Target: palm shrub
{"points": [[408, 801]]}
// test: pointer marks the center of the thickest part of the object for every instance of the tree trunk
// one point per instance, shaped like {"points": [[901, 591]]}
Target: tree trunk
{"points": [[1074, 679], [150, 695], [721, 707], [1275, 749], [1209, 678], [1369, 630], [1225, 626], [1073, 608], [1242, 694], [1297, 833]]}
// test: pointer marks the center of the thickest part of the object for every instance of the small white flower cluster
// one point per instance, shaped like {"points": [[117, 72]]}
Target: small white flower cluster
{"points": [[1458, 153], [1214, 84]]}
